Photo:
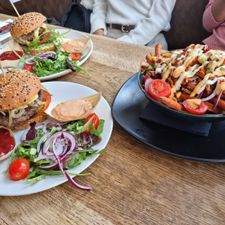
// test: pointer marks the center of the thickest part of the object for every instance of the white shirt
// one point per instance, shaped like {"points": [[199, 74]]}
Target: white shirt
{"points": [[150, 17], [87, 3]]}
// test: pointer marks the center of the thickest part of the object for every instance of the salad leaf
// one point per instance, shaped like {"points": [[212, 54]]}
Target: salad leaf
{"points": [[28, 150], [97, 132], [45, 67], [55, 38], [25, 151], [78, 157], [150, 68], [72, 64], [38, 174], [39, 134], [78, 127]]}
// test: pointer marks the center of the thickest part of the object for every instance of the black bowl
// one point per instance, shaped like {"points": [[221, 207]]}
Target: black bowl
{"points": [[181, 114]]}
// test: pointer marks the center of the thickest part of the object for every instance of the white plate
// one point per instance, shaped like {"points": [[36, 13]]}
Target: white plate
{"points": [[68, 34], [61, 91], [72, 34]]}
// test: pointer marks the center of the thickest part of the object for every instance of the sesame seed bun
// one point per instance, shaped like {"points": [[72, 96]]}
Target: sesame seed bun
{"points": [[17, 88], [26, 23]]}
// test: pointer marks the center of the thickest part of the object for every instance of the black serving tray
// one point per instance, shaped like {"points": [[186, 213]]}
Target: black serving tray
{"points": [[127, 108]]}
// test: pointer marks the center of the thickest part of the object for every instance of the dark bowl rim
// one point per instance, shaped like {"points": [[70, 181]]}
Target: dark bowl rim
{"points": [[184, 113]]}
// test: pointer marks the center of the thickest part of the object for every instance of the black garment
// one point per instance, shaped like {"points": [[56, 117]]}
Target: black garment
{"points": [[77, 17]]}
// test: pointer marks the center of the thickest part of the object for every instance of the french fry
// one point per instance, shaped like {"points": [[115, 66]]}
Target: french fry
{"points": [[158, 50], [171, 103], [150, 59], [191, 62], [202, 72]]}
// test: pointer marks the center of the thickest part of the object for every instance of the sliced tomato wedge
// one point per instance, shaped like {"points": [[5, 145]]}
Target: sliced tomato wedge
{"points": [[47, 98], [159, 88], [44, 38], [75, 56], [94, 122], [195, 106]]}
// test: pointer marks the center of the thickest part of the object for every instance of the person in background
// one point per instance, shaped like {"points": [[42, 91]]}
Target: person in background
{"points": [[88, 4], [214, 22], [50, 8], [134, 21]]}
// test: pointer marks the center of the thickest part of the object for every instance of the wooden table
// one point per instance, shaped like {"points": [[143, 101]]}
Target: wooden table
{"points": [[133, 184]]}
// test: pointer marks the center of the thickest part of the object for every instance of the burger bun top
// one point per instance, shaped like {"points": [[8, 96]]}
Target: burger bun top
{"points": [[17, 88], [26, 23]]}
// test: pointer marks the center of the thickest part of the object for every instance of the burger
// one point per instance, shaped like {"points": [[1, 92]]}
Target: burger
{"points": [[30, 31], [22, 99]]}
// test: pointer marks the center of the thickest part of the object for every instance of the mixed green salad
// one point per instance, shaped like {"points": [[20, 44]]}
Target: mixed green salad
{"points": [[48, 63], [53, 149], [48, 58]]}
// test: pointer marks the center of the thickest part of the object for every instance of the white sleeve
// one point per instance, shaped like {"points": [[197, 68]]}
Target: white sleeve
{"points": [[98, 16], [157, 20]]}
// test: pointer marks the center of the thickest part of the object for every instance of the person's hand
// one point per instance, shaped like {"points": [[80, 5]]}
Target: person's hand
{"points": [[99, 32]]}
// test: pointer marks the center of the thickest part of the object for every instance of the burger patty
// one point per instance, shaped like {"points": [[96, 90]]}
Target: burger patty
{"points": [[31, 37], [29, 112], [26, 39]]}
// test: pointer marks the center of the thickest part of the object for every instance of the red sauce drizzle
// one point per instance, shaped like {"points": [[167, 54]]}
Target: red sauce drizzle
{"points": [[7, 142]]}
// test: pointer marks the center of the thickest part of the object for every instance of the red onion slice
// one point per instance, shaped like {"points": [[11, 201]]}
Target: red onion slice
{"points": [[47, 55], [69, 178], [65, 144], [212, 95], [209, 97], [46, 152], [31, 133], [41, 141], [147, 83], [218, 99]]}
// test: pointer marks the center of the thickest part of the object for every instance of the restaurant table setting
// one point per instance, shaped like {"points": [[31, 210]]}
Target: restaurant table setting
{"points": [[134, 180]]}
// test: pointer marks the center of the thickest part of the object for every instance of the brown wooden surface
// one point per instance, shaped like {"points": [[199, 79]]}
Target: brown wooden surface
{"points": [[132, 183]]}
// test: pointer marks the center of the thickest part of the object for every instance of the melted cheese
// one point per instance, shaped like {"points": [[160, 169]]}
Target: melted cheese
{"points": [[193, 70]]}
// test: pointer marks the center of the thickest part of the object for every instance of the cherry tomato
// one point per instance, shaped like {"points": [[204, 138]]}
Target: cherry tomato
{"points": [[95, 122], [195, 108], [159, 88], [44, 38], [75, 56], [18, 169], [28, 66]]}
